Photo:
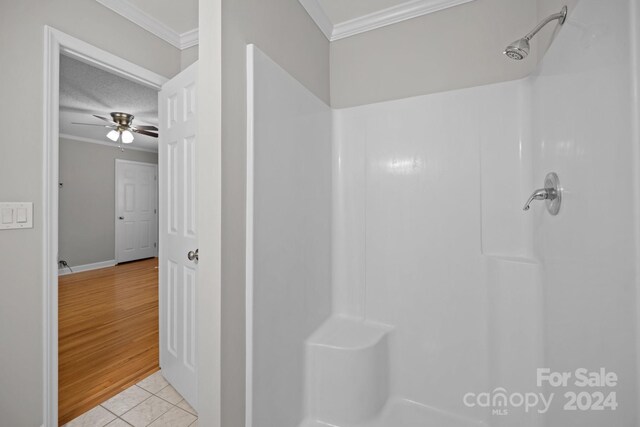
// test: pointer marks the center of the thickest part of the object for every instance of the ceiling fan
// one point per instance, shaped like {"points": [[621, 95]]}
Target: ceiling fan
{"points": [[122, 128]]}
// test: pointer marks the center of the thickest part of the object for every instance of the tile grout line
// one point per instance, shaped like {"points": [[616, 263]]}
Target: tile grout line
{"points": [[112, 413], [152, 395], [173, 405], [129, 410]]}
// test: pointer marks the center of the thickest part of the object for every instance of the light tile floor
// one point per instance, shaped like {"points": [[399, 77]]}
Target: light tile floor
{"points": [[152, 402]]}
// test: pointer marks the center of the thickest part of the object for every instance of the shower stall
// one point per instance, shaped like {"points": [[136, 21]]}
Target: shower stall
{"points": [[393, 278]]}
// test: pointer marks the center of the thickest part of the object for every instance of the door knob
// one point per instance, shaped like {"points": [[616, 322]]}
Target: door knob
{"points": [[120, 217], [193, 256]]}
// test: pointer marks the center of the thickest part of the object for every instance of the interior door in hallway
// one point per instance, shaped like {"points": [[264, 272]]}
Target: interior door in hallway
{"points": [[136, 210], [178, 261]]}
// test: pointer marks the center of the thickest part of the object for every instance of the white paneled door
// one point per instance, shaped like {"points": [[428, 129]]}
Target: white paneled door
{"points": [[136, 210], [178, 258]]}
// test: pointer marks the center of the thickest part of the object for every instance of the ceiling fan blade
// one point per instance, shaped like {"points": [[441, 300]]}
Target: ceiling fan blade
{"points": [[144, 132], [93, 124], [145, 127], [105, 119]]}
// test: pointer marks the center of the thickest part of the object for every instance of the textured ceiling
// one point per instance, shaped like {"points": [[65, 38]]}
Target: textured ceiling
{"points": [[86, 90], [343, 10], [181, 16]]}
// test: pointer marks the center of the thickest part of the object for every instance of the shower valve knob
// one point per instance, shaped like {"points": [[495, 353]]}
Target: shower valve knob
{"points": [[551, 192], [541, 194]]}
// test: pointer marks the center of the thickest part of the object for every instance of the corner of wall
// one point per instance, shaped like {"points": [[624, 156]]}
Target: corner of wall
{"points": [[188, 56]]}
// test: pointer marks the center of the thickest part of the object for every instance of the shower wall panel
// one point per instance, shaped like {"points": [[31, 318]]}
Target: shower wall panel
{"points": [[428, 189], [289, 211], [584, 121], [432, 239]]}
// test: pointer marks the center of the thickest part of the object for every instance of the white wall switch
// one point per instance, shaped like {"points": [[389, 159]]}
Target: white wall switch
{"points": [[16, 215], [7, 216], [21, 215]]}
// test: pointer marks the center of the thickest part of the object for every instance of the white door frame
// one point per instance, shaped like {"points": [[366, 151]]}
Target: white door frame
{"points": [[55, 43], [156, 207]]}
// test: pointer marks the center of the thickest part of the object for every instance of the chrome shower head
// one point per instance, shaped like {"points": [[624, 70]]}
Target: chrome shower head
{"points": [[518, 50]]}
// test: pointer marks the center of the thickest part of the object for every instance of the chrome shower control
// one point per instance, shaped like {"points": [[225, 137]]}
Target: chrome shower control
{"points": [[551, 192]]}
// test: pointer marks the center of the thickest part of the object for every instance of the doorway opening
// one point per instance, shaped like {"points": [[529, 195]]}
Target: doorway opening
{"points": [[132, 275], [108, 335]]}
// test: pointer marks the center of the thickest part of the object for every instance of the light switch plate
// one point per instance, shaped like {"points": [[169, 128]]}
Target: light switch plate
{"points": [[16, 215]]}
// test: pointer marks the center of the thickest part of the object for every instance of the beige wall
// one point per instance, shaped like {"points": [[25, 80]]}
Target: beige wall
{"points": [[21, 159], [86, 223], [283, 30], [451, 49]]}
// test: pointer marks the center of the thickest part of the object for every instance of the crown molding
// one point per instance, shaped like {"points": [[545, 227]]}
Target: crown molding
{"points": [[402, 12], [319, 16], [108, 144], [188, 39], [151, 24]]}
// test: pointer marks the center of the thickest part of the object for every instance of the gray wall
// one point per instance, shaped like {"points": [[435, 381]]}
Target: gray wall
{"points": [[188, 57], [451, 49], [86, 223], [21, 172], [283, 30]]}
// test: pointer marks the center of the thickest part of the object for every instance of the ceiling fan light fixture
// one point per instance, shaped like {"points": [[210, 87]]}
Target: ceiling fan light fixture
{"points": [[113, 135], [122, 129], [127, 137]]}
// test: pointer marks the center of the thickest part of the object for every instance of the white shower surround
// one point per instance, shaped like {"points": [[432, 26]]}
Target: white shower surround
{"points": [[288, 236], [438, 283]]}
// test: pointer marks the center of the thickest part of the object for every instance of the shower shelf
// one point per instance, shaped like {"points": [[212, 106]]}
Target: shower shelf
{"points": [[342, 332]]}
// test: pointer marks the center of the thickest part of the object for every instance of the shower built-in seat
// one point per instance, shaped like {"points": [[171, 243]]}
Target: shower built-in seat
{"points": [[347, 373], [347, 381]]}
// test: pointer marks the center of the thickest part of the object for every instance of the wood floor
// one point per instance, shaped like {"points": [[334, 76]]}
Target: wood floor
{"points": [[108, 334]]}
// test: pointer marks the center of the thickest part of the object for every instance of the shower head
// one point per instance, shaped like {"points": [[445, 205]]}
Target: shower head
{"points": [[519, 49]]}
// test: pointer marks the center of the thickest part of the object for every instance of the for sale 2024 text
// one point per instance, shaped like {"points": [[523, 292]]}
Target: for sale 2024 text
{"points": [[589, 391], [586, 400]]}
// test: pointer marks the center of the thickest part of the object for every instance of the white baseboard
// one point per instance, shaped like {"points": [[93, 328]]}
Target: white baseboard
{"points": [[87, 267]]}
